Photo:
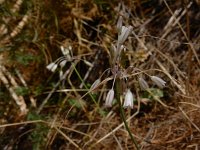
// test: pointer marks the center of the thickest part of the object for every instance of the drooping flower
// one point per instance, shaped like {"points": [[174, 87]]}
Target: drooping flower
{"points": [[95, 84], [63, 63], [52, 67], [128, 102], [109, 98], [66, 52], [158, 81], [143, 84]]}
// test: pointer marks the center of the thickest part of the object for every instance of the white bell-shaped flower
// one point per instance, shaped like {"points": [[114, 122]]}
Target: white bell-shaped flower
{"points": [[143, 84], [109, 98], [158, 81], [95, 84], [63, 63], [128, 102], [52, 67]]}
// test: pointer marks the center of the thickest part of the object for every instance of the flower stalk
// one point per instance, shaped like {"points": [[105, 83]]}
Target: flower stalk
{"points": [[122, 114]]}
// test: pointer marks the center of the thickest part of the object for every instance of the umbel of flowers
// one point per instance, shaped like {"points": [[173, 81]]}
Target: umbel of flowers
{"points": [[120, 73]]}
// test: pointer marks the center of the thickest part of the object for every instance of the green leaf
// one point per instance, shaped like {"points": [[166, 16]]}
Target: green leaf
{"points": [[155, 92], [22, 90], [76, 103]]}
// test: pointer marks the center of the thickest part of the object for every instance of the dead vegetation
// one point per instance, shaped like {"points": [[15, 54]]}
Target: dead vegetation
{"points": [[40, 109]]}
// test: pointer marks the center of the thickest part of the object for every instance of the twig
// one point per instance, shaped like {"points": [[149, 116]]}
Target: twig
{"points": [[66, 137], [52, 91], [184, 33], [18, 99], [3, 29], [123, 114], [186, 116], [172, 79], [33, 101]]}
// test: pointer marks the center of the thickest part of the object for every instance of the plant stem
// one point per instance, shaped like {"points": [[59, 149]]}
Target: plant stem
{"points": [[81, 79], [122, 114]]}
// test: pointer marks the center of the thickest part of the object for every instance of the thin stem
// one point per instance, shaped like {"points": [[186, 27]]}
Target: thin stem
{"points": [[122, 114], [79, 76]]}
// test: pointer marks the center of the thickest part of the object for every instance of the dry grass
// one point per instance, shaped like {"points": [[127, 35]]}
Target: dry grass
{"points": [[40, 111]]}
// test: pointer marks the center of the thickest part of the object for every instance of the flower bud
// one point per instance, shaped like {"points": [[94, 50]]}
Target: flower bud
{"points": [[119, 24], [158, 81], [114, 50], [61, 74], [125, 31], [109, 98]]}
